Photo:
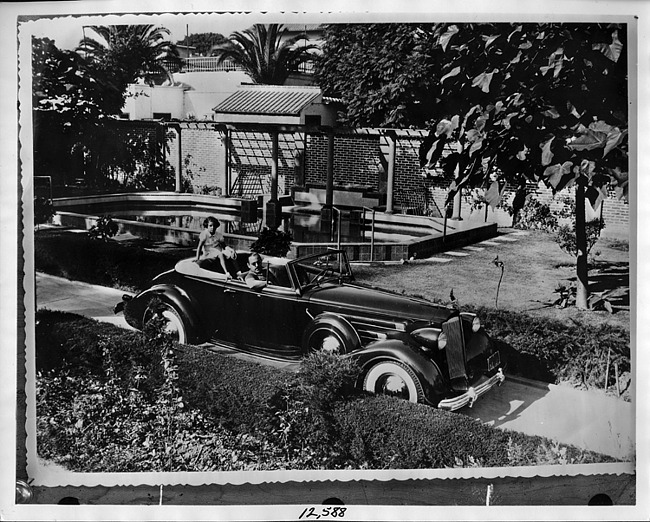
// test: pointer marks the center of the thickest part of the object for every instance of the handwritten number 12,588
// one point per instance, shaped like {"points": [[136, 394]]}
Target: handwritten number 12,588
{"points": [[334, 512]]}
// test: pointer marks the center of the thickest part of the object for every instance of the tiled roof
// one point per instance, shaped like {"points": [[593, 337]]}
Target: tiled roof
{"points": [[276, 100]]}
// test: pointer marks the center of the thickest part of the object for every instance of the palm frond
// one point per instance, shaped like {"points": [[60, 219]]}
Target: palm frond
{"points": [[263, 53]]}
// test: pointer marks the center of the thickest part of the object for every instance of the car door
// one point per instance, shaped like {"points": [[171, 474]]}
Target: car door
{"points": [[214, 301], [271, 321]]}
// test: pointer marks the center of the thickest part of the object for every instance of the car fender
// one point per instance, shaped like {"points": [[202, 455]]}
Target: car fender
{"points": [[399, 350], [170, 294], [335, 323]]}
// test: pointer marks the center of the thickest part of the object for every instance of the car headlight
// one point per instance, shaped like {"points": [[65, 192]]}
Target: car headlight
{"points": [[476, 324], [442, 341], [429, 337]]}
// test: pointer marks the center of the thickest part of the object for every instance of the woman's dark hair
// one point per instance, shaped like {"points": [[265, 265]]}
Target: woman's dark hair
{"points": [[211, 219]]}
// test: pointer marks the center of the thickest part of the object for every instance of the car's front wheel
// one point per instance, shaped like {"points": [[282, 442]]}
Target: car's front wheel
{"points": [[170, 320], [395, 379]]}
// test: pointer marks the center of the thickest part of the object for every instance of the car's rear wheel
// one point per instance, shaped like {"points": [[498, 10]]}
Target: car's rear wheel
{"points": [[332, 334], [326, 340], [171, 320], [395, 379]]}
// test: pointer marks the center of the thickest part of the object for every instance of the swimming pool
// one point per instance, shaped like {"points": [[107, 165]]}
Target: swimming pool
{"points": [[304, 225], [178, 218]]}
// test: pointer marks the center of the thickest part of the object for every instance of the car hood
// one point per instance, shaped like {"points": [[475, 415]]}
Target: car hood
{"points": [[357, 299]]}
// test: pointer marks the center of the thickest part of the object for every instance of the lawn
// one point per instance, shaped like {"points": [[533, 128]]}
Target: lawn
{"points": [[533, 267]]}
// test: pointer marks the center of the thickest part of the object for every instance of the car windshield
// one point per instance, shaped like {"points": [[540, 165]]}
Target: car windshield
{"points": [[322, 267]]}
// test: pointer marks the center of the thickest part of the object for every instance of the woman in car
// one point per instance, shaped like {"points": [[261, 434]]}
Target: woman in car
{"points": [[210, 249]]}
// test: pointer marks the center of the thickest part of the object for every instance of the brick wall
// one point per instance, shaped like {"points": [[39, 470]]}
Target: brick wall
{"points": [[356, 160], [203, 158]]}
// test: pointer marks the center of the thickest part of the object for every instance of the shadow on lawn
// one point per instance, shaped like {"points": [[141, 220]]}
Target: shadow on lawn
{"points": [[613, 278], [611, 281]]}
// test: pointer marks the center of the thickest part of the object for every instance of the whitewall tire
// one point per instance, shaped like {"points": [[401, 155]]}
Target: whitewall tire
{"points": [[395, 379]]}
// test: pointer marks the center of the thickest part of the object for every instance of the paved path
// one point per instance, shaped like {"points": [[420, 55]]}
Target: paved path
{"points": [[511, 237], [449, 255], [585, 419], [57, 293]]}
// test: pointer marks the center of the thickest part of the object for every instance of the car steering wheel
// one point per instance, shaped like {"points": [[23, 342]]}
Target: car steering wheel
{"points": [[321, 275]]}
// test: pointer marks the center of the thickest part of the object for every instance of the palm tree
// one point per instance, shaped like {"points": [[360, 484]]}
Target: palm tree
{"points": [[263, 53], [130, 51]]}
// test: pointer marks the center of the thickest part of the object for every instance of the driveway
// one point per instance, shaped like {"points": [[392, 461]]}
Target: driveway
{"points": [[588, 420], [57, 293]]}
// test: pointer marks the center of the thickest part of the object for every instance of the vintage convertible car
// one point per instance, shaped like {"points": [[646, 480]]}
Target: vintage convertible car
{"points": [[406, 347]]}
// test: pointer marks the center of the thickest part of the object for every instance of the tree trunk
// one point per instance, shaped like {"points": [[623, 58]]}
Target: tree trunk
{"points": [[582, 289], [457, 199]]}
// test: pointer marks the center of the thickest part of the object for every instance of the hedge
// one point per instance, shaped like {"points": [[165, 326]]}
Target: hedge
{"points": [[114, 400], [384, 432]]}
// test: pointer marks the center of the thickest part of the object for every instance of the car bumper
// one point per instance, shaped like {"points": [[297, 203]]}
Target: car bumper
{"points": [[119, 307], [470, 396]]}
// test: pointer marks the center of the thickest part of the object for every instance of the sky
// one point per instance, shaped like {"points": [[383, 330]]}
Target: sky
{"points": [[67, 31]]}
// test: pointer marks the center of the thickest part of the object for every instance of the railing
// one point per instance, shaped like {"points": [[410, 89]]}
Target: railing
{"points": [[306, 67], [204, 64], [210, 64]]}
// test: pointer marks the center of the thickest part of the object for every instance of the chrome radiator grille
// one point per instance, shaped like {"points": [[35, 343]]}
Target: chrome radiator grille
{"points": [[453, 329]]}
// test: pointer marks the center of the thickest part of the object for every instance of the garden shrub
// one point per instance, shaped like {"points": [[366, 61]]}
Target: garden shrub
{"points": [[300, 413], [535, 215], [104, 229], [272, 242], [566, 236], [103, 420], [232, 390], [69, 342], [43, 210], [90, 425]]}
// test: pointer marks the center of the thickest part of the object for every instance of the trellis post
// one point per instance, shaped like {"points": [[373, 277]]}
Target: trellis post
{"points": [[273, 206], [390, 188]]}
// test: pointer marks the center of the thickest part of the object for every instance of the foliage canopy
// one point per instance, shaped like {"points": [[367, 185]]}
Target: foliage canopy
{"points": [[508, 102], [522, 101], [202, 42], [129, 51]]}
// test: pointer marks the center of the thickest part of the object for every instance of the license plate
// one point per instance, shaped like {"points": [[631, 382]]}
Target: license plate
{"points": [[493, 361]]}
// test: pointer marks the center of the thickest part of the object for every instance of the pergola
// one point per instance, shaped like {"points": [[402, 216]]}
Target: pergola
{"points": [[273, 209]]}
